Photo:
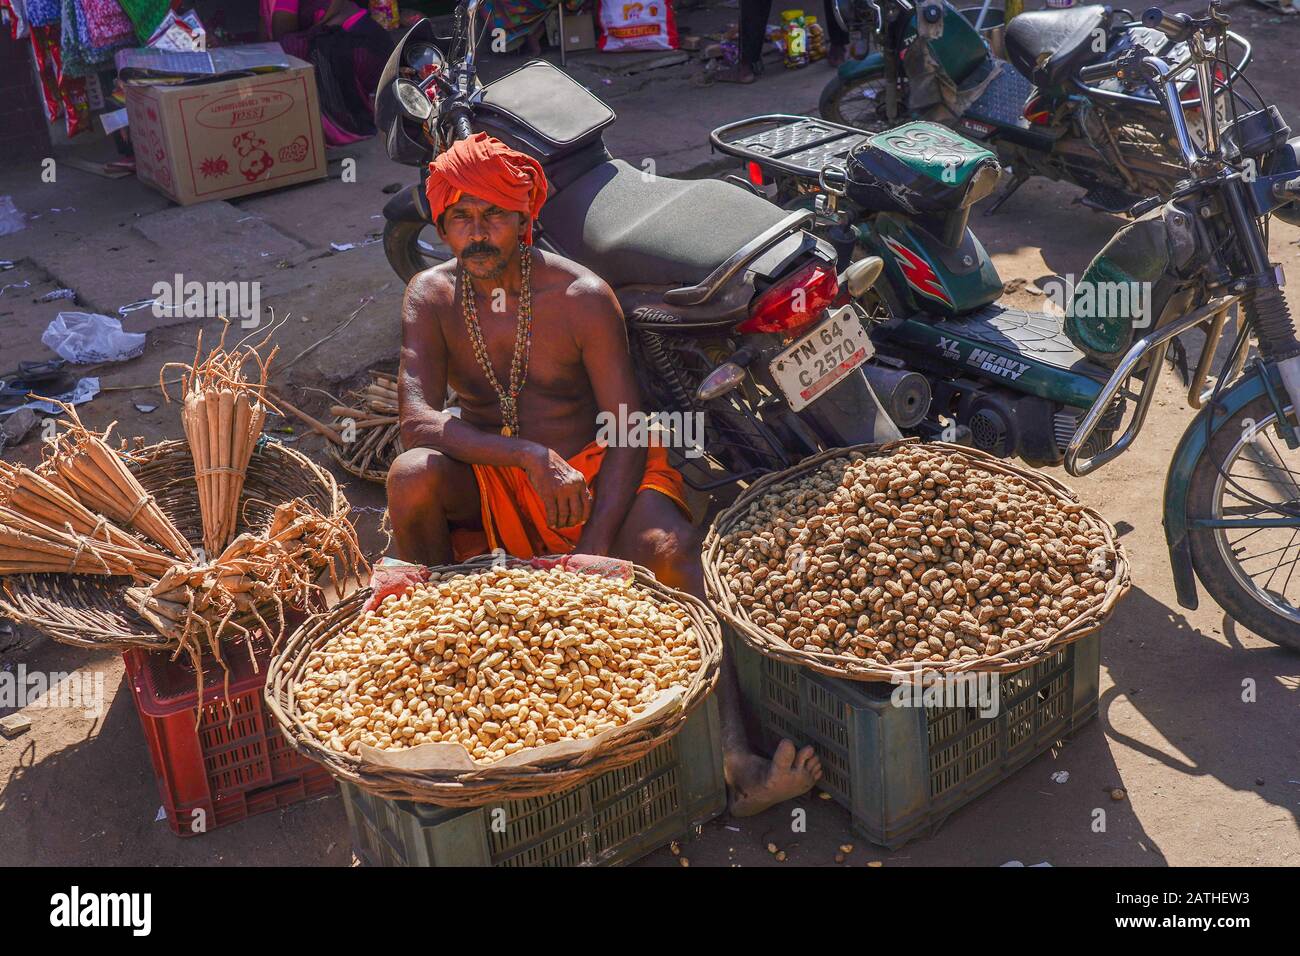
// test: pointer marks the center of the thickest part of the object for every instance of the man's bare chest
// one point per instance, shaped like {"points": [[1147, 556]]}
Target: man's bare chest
{"points": [[545, 353]]}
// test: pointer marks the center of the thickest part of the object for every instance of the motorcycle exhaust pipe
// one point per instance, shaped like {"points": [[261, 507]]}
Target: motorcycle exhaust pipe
{"points": [[905, 395]]}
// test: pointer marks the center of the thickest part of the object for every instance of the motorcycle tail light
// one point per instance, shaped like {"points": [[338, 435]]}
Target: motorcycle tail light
{"points": [[755, 173], [1037, 112], [793, 302]]}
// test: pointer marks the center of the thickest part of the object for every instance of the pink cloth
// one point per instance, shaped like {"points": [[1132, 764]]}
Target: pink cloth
{"points": [[106, 22]]}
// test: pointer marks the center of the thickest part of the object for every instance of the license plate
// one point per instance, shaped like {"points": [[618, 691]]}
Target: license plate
{"points": [[820, 359]]}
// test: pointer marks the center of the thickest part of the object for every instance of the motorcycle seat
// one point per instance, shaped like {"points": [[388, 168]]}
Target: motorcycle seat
{"points": [[919, 168], [633, 228], [1049, 46]]}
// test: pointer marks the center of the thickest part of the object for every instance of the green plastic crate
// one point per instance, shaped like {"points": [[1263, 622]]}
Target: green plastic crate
{"points": [[900, 771], [617, 818]]}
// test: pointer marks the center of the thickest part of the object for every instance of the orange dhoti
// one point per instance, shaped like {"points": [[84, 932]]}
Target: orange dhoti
{"points": [[514, 518]]}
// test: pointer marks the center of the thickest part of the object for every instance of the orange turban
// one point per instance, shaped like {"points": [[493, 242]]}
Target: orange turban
{"points": [[487, 169]]}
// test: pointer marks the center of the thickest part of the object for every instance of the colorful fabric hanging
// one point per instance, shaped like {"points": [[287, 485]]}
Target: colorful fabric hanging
{"points": [[16, 11], [60, 91], [81, 55], [107, 23], [43, 13], [145, 15]]}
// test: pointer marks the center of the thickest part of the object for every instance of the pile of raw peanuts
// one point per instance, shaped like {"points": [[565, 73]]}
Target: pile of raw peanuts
{"points": [[918, 556], [498, 661]]}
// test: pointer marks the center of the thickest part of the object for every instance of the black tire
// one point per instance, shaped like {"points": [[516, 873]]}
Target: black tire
{"points": [[837, 98], [1213, 569], [402, 247]]}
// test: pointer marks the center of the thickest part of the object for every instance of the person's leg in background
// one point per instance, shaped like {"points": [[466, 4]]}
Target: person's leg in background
{"points": [[753, 31], [838, 36]]}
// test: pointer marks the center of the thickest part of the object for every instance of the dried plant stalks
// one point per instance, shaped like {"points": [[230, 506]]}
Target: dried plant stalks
{"points": [[28, 546], [86, 468], [376, 431], [35, 497], [199, 606], [223, 414]]}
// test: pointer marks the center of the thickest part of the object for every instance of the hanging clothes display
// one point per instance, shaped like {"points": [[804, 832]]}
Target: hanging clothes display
{"points": [[59, 91], [15, 12], [107, 23], [81, 55], [145, 15]]}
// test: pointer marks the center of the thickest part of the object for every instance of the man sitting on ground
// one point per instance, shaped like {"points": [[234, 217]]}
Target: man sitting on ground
{"points": [[535, 347]]}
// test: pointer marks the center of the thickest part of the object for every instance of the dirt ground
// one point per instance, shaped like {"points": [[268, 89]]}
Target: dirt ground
{"points": [[1210, 780]]}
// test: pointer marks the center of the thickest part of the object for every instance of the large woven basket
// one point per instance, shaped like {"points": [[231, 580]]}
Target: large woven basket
{"points": [[91, 611], [487, 783], [725, 602]]}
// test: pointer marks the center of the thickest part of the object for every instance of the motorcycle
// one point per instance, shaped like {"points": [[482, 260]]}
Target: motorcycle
{"points": [[1056, 390], [735, 313], [1033, 111]]}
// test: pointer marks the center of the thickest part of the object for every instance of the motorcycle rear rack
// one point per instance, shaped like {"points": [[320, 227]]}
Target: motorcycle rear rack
{"points": [[796, 145], [1213, 315]]}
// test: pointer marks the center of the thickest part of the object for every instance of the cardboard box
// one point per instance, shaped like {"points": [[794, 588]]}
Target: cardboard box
{"points": [[228, 138], [579, 31]]}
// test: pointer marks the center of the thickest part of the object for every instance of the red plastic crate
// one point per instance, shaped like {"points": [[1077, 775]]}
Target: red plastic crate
{"points": [[226, 768]]}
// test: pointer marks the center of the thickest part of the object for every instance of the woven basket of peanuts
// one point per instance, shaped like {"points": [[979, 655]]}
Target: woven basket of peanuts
{"points": [[495, 679], [897, 561]]}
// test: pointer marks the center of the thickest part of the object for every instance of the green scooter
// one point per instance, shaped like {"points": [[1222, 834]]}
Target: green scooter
{"points": [[951, 361]]}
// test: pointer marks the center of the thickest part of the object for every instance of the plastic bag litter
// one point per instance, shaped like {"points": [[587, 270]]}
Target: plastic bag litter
{"points": [[11, 217], [85, 389], [84, 337]]}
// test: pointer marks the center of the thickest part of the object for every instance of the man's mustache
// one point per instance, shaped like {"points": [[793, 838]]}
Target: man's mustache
{"points": [[479, 249]]}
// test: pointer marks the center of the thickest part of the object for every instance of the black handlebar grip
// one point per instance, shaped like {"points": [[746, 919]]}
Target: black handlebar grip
{"points": [[1099, 71], [1173, 25]]}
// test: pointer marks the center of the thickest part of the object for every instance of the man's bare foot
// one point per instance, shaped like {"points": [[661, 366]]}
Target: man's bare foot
{"points": [[756, 783], [740, 73]]}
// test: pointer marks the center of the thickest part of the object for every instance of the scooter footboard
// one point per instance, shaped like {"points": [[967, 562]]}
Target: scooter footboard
{"points": [[792, 145]]}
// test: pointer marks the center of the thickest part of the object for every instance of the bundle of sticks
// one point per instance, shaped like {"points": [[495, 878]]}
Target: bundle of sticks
{"points": [[33, 506], [368, 435], [223, 416], [81, 464], [198, 606]]}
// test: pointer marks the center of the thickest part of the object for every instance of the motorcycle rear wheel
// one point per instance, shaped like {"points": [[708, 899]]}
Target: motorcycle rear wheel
{"points": [[410, 251], [860, 101], [1253, 575]]}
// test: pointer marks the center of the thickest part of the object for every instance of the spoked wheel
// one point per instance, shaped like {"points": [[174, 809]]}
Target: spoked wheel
{"points": [[860, 102], [1253, 573], [412, 247]]}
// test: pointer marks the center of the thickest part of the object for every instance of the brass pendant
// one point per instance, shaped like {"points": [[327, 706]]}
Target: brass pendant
{"points": [[507, 430]]}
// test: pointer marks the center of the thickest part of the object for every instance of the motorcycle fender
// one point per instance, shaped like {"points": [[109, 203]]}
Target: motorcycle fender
{"points": [[409, 205], [852, 69], [1178, 481], [850, 414]]}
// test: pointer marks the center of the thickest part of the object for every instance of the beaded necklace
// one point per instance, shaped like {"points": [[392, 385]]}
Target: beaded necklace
{"points": [[523, 342]]}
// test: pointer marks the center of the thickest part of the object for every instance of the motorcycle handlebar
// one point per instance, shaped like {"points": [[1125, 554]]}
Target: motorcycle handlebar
{"points": [[1099, 71], [1176, 26]]}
